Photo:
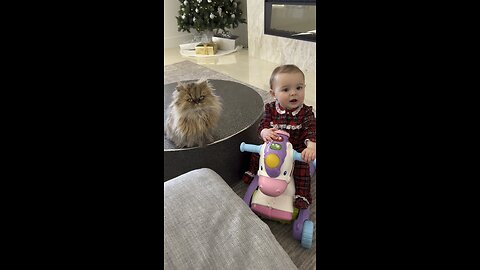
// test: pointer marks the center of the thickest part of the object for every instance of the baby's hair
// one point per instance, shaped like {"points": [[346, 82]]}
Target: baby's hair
{"points": [[284, 69]]}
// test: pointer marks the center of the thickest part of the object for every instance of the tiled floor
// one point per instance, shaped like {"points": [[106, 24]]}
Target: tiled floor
{"points": [[241, 66]]}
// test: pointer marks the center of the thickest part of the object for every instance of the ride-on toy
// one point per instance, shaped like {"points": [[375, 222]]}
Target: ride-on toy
{"points": [[271, 192]]}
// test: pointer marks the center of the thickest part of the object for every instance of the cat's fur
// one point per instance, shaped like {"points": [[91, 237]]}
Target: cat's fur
{"points": [[193, 114]]}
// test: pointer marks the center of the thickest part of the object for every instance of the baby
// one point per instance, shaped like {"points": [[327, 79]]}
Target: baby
{"points": [[288, 113]]}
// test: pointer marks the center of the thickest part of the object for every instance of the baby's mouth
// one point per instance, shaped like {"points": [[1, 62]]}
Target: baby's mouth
{"points": [[293, 100]]}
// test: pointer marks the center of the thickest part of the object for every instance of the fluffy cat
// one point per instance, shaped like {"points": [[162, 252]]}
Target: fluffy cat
{"points": [[193, 114]]}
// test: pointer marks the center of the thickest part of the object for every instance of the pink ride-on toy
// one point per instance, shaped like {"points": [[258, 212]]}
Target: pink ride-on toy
{"points": [[271, 192]]}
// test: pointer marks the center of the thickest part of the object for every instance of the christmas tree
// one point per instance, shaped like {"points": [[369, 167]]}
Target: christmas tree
{"points": [[209, 15]]}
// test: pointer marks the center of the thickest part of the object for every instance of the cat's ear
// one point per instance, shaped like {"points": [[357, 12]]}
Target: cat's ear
{"points": [[180, 87], [203, 83]]}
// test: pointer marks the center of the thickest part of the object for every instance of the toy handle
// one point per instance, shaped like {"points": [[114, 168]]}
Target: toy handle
{"points": [[245, 147], [298, 156]]}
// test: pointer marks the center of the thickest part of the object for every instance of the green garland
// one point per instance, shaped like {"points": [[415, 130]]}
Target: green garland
{"points": [[212, 15]]}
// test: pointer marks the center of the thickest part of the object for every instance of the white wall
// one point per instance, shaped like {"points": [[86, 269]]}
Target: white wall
{"points": [[242, 30], [172, 38]]}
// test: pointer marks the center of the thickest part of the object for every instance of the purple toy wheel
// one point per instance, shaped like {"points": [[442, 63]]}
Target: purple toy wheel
{"points": [[251, 188], [303, 215], [312, 169]]}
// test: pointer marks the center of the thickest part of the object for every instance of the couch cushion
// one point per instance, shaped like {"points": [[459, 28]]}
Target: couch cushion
{"points": [[207, 226]]}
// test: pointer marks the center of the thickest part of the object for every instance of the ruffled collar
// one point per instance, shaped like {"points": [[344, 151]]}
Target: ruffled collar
{"points": [[282, 110]]}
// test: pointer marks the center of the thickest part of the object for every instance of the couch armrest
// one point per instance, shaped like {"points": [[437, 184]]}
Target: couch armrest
{"points": [[208, 226]]}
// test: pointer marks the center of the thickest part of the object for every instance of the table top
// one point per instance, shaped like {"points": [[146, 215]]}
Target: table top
{"points": [[242, 107]]}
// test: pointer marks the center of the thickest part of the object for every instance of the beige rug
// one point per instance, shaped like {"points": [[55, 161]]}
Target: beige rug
{"points": [[303, 258], [186, 71]]}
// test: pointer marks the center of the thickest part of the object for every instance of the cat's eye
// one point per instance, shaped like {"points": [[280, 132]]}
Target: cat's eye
{"points": [[190, 100], [202, 97]]}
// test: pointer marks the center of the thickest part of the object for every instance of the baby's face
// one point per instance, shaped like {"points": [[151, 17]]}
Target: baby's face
{"points": [[289, 89]]}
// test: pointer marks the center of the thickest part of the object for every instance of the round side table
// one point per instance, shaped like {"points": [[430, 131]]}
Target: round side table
{"points": [[241, 115]]}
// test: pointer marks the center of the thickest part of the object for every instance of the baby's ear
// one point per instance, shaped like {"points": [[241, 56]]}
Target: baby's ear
{"points": [[272, 93]]}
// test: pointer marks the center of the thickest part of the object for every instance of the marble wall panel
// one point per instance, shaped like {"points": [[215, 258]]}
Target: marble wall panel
{"points": [[275, 49]]}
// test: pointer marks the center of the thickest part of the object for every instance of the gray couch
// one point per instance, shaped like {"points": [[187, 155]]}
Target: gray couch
{"points": [[208, 226]]}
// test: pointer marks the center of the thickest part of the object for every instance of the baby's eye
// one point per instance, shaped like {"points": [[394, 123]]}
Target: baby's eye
{"points": [[299, 87], [285, 89]]}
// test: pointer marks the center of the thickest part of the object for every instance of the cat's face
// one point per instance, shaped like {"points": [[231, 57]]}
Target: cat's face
{"points": [[193, 94]]}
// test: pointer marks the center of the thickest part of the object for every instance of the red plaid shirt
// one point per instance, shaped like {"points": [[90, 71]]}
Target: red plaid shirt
{"points": [[300, 124]]}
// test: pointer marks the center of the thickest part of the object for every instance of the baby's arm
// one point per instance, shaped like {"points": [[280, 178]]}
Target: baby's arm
{"points": [[309, 153], [265, 130], [268, 134]]}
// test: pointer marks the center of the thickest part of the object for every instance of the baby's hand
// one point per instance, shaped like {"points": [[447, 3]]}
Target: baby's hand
{"points": [[308, 155], [268, 134]]}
